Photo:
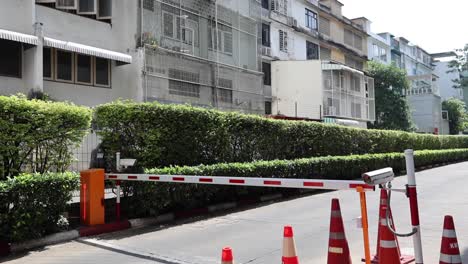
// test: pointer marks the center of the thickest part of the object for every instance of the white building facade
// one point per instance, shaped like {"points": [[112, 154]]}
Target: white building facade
{"points": [[51, 53]]}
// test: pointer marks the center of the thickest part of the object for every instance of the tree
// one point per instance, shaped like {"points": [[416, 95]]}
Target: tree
{"points": [[456, 113], [391, 107], [460, 65]]}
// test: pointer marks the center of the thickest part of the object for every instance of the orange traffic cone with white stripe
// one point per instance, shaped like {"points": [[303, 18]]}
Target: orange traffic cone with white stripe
{"points": [[382, 218], [289, 248], [338, 250], [226, 256], [449, 251], [388, 251]]}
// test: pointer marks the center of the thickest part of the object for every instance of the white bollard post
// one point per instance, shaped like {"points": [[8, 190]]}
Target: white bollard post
{"points": [[117, 161], [411, 192]]}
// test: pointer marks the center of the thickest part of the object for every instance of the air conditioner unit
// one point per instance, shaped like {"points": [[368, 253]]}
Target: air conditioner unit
{"points": [[66, 4], [87, 7], [445, 115], [266, 51], [292, 22]]}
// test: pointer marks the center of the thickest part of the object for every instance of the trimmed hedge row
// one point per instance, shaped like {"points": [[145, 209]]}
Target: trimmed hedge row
{"points": [[31, 205], [151, 198], [160, 135], [36, 136]]}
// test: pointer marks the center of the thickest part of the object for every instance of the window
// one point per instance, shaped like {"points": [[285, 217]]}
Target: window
{"points": [[266, 68], [356, 110], [180, 28], [221, 41], [266, 35], [267, 108], [311, 19], [312, 51], [279, 6], [87, 7], [357, 64], [105, 9], [187, 86], [47, 63], [265, 4], [324, 26], [325, 54], [64, 66], [83, 69], [352, 39], [10, 58], [283, 41], [148, 4], [102, 70], [355, 82], [225, 95], [379, 53]]}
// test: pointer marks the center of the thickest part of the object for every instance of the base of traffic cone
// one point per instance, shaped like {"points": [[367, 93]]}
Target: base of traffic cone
{"points": [[405, 259]]}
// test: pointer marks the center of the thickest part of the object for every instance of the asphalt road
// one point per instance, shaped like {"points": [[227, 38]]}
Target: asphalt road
{"points": [[256, 235]]}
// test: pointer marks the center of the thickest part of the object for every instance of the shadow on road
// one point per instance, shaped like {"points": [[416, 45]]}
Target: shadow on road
{"points": [[464, 255]]}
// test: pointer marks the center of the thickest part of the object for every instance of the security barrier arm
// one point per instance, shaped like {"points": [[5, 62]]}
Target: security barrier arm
{"points": [[245, 181]]}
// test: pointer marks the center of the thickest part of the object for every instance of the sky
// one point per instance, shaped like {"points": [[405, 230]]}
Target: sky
{"points": [[434, 25]]}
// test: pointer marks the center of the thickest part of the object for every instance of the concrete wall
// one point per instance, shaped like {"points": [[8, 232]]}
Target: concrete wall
{"points": [[17, 15], [296, 88], [445, 81], [426, 110]]}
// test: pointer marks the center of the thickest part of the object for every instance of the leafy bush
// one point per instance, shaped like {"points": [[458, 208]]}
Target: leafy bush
{"points": [[31, 204], [149, 198], [36, 136], [162, 135]]}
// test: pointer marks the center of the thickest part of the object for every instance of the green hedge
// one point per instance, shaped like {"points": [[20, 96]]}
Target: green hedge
{"points": [[150, 198], [31, 204], [36, 136], [162, 135]]}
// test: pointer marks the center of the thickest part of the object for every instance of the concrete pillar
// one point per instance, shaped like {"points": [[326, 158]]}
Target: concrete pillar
{"points": [[37, 73]]}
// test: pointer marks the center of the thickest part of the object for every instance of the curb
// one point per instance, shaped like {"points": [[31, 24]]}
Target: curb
{"points": [[45, 241], [148, 221]]}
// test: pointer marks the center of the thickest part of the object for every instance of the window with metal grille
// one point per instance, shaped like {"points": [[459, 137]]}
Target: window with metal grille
{"points": [[311, 19], [312, 51], [222, 41], [148, 4], [265, 4], [348, 37], [279, 6], [324, 26], [357, 42], [186, 83], [225, 95], [283, 40], [267, 108]]}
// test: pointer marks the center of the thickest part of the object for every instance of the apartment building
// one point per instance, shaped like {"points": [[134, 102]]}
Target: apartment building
{"points": [[204, 53], [311, 41], [80, 51], [447, 87]]}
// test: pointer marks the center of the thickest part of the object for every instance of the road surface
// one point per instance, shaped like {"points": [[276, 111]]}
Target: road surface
{"points": [[256, 234]]}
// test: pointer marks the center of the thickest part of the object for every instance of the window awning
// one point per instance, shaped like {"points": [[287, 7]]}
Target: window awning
{"points": [[87, 50], [332, 66], [18, 37]]}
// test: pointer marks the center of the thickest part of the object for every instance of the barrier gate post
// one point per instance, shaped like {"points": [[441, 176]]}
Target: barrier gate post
{"points": [[411, 193], [365, 224]]}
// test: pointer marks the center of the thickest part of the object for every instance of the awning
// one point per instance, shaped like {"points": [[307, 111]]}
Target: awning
{"points": [[332, 66], [87, 50], [18, 37]]}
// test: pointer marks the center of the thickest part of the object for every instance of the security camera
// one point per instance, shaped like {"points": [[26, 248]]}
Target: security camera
{"points": [[376, 177]]}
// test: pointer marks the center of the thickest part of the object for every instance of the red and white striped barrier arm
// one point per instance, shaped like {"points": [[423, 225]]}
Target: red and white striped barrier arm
{"points": [[245, 181]]}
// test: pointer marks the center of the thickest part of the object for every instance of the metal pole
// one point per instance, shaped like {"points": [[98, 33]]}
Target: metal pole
{"points": [[117, 161], [411, 193], [365, 224], [117, 201]]}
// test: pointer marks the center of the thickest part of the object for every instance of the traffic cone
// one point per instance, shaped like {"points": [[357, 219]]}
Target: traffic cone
{"points": [[388, 251], [338, 250], [449, 251], [226, 256], [289, 249]]}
